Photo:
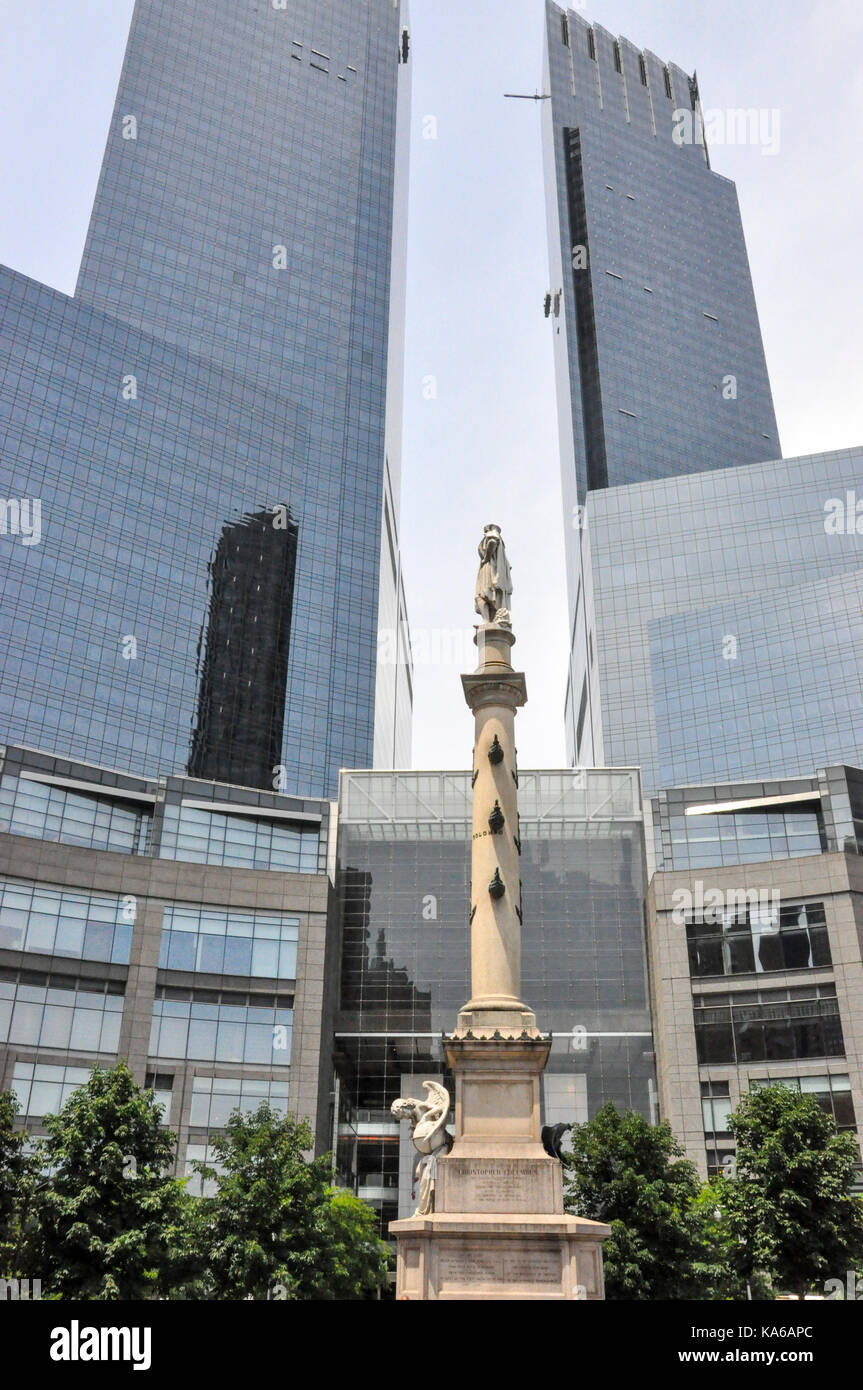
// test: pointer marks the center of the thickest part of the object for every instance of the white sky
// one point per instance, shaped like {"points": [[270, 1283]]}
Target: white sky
{"points": [[486, 448]]}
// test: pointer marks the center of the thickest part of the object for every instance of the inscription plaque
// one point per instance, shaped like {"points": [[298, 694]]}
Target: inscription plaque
{"points": [[470, 1263], [499, 1185]]}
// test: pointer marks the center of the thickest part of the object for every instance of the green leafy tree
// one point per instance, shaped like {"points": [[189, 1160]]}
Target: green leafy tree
{"points": [[274, 1226], [359, 1257], [113, 1222], [15, 1181], [632, 1175], [790, 1206]]}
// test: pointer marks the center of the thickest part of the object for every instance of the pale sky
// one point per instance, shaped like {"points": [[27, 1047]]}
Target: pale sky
{"points": [[485, 449]]}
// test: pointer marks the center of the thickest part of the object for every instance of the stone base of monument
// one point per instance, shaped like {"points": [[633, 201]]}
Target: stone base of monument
{"points": [[498, 1228], [498, 1256]]}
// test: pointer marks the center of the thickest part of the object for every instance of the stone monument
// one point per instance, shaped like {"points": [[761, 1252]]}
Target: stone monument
{"points": [[490, 1221]]}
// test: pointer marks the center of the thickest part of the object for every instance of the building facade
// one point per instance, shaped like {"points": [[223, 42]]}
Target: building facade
{"points": [[182, 925], [755, 935], [201, 449], [403, 868], [659, 361], [721, 623]]}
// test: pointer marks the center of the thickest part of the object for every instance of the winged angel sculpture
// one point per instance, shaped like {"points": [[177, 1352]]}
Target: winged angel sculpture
{"points": [[430, 1135]]}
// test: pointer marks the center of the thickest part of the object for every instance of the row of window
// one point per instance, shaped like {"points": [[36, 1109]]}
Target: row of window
{"points": [[241, 842], [703, 842], [230, 943], [56, 922], [189, 833], [88, 926], [64, 1014], [618, 55], [221, 1030], [833, 1094], [767, 1031], [43, 1089], [73, 818], [794, 937]]}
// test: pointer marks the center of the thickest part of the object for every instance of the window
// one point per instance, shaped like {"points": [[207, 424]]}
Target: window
{"points": [[582, 712], [222, 1026], [75, 818], [744, 837], [243, 842], [162, 1085], [214, 1097], [833, 1094], [58, 1012], [200, 1153], [591, 44], [56, 922], [564, 29], [750, 940], [44, 1090], [716, 1108], [768, 1025], [618, 63], [224, 942], [667, 75], [642, 69]]}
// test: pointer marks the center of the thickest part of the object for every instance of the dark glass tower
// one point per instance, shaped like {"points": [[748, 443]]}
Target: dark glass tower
{"points": [[656, 307], [659, 360], [234, 347], [244, 657]]}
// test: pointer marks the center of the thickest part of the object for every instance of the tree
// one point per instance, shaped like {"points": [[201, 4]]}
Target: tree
{"points": [[113, 1222], [275, 1227], [15, 1172], [359, 1256], [790, 1205], [633, 1176]]}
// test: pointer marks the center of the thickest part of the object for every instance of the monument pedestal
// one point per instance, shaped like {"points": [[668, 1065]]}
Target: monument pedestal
{"points": [[498, 1256], [498, 1229]]}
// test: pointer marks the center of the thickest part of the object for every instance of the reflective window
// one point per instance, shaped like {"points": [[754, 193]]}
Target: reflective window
{"points": [[162, 1085], [794, 937], [716, 1108], [215, 1097], [74, 818], [58, 1012], [228, 942], [42, 1089], [61, 923], [222, 1026], [833, 1094], [700, 842], [768, 1025], [201, 1153], [242, 842]]}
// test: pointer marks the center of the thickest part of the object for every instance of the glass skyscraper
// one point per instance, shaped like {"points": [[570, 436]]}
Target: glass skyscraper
{"points": [[208, 433], [728, 625], [715, 618], [654, 309]]}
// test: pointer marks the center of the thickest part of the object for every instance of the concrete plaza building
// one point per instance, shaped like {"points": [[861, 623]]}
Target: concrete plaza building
{"points": [[755, 935], [182, 925]]}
